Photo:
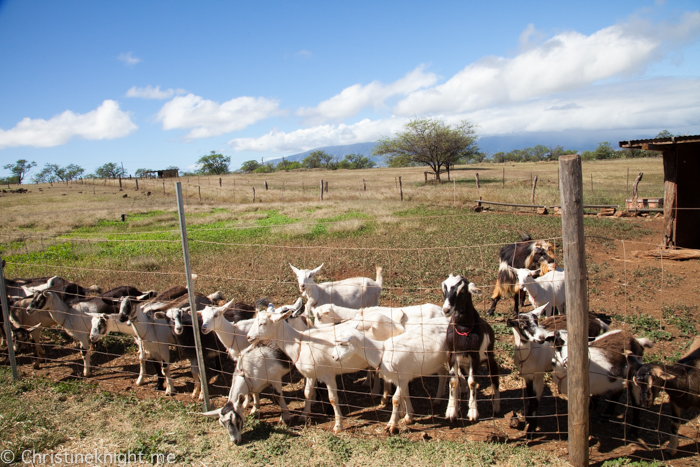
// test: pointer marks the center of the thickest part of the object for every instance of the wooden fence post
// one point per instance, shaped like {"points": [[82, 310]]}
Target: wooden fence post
{"points": [[199, 190], [219, 182], [326, 187], [503, 183], [477, 180], [253, 194], [576, 306], [364, 185], [321, 190], [137, 184], [8, 325], [634, 190], [534, 186], [265, 185], [164, 186], [401, 188]]}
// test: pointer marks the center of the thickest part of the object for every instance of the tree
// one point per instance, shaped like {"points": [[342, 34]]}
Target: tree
{"points": [[433, 143], [250, 166], [142, 173], [55, 173], [356, 161], [320, 159], [605, 151], [110, 170], [400, 160], [664, 134], [19, 170], [213, 164]]}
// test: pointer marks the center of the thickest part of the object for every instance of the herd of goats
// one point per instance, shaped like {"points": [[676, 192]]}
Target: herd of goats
{"points": [[342, 329]]}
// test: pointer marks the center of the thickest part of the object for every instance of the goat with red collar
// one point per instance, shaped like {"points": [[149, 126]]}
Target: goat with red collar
{"points": [[470, 342]]}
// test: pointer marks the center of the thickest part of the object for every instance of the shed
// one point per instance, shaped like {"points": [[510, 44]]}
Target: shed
{"points": [[166, 173], [681, 159]]}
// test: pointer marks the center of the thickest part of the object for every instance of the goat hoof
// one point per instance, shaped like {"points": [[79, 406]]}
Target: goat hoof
{"points": [[36, 365], [451, 414], [473, 415], [284, 421], [391, 429], [337, 429], [384, 401], [408, 419]]}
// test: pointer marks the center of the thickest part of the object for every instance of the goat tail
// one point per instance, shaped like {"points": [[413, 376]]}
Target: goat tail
{"points": [[646, 342], [380, 279]]}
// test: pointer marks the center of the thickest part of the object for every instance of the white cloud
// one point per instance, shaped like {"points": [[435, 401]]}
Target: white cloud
{"points": [[567, 61], [321, 135], [149, 92], [640, 106], [105, 122], [129, 58], [353, 99], [304, 54], [207, 118]]}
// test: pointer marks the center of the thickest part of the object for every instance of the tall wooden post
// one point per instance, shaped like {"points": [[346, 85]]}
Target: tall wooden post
{"points": [[670, 196], [219, 182], [8, 325], [476, 177], [190, 290], [253, 194], [321, 190], [137, 184], [534, 186], [401, 188], [199, 190], [576, 306]]}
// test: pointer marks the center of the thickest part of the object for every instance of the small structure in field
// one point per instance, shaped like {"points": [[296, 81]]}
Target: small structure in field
{"points": [[681, 201], [166, 173]]}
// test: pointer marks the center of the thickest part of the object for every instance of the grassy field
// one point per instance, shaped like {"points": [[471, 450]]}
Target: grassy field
{"points": [[243, 249]]}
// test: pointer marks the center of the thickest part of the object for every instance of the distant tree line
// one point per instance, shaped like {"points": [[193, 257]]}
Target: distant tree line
{"points": [[315, 160], [426, 141]]}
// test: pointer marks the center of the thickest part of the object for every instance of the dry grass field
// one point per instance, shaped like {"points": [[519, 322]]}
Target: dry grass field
{"points": [[244, 248]]}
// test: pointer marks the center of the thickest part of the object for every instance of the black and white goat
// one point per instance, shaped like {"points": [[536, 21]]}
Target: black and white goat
{"points": [[529, 254], [613, 359], [533, 354], [470, 342], [680, 381]]}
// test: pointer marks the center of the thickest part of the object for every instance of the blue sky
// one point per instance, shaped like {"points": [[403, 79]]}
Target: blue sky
{"points": [[154, 84]]}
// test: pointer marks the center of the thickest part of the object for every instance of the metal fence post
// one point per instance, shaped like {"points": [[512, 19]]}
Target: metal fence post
{"points": [[576, 306], [8, 325], [190, 290]]}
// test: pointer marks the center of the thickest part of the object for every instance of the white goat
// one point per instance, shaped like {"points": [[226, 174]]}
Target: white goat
{"points": [[356, 292], [548, 289], [422, 352], [258, 367], [330, 313], [311, 352], [103, 323], [73, 319]]}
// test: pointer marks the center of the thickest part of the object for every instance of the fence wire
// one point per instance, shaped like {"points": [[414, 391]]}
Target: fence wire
{"points": [[411, 276]]}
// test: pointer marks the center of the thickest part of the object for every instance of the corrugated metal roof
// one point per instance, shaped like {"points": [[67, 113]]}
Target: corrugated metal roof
{"points": [[637, 143]]}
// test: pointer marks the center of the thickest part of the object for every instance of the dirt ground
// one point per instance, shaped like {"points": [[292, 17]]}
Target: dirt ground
{"points": [[620, 286]]}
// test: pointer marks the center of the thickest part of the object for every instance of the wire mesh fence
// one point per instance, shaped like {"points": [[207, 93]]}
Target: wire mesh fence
{"points": [[637, 297]]}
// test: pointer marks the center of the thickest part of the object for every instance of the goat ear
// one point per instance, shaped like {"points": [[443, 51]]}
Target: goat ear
{"points": [[296, 271], [160, 315], [513, 323], [659, 373], [536, 273], [276, 317], [459, 287], [538, 311], [473, 289], [315, 271], [212, 413]]}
